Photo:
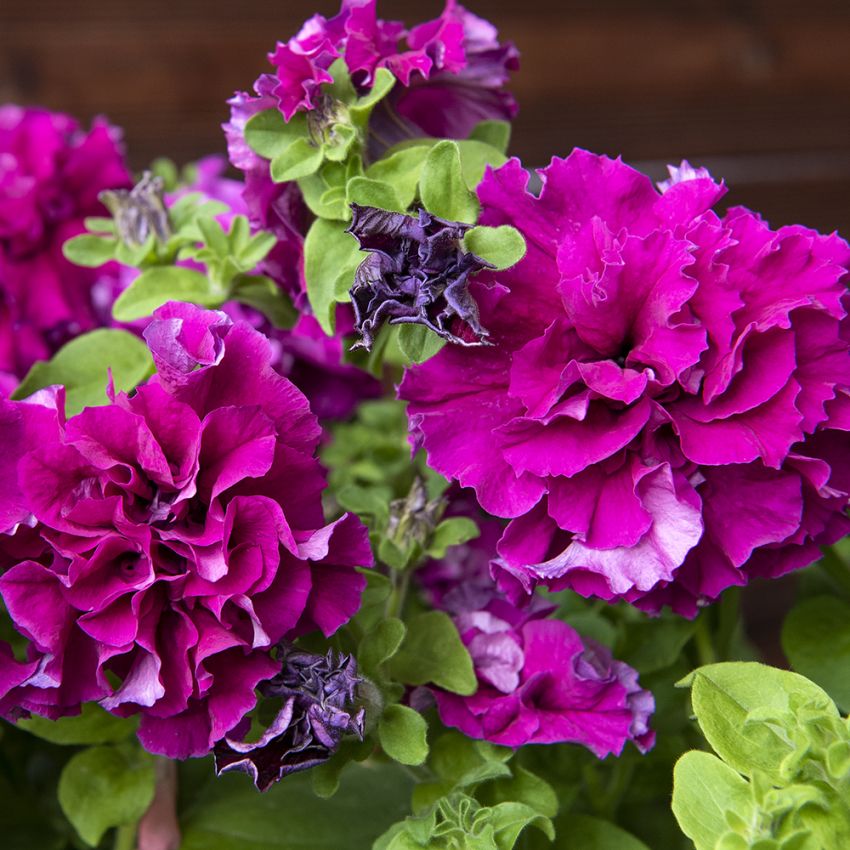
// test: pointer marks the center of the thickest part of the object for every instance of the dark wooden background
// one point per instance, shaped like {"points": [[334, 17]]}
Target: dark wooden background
{"points": [[758, 90]]}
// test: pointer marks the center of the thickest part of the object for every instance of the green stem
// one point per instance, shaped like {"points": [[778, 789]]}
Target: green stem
{"points": [[729, 615], [595, 791], [704, 644], [125, 837], [836, 568], [398, 595]]}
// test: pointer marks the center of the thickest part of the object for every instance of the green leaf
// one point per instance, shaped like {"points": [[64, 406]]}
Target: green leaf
{"points": [[263, 294], [401, 171], [432, 651], [300, 159], [330, 258], [452, 532], [371, 502], [134, 255], [442, 187], [653, 644], [502, 247], [229, 814], [497, 134], [384, 82], [816, 640], [403, 734], [103, 787], [475, 156], [81, 367], [324, 192], [214, 236], [392, 555], [582, 832], [269, 135], [341, 89], [159, 285], [704, 790], [90, 251], [92, 726], [418, 343], [508, 820], [724, 694], [99, 224], [528, 788], [373, 193], [378, 589], [380, 644], [337, 148]]}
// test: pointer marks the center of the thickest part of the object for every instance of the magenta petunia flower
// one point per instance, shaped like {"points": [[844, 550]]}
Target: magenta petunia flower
{"points": [[539, 682], [157, 548], [664, 412], [51, 172]]}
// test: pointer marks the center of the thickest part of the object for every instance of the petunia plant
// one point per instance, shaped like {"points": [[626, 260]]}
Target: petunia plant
{"points": [[383, 498]]}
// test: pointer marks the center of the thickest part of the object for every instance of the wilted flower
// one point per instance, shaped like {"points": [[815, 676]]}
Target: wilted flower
{"points": [[416, 273], [139, 212], [318, 694], [664, 412], [156, 548], [51, 173]]}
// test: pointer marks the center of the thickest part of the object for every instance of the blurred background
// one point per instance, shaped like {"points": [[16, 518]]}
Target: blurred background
{"points": [[757, 90]]}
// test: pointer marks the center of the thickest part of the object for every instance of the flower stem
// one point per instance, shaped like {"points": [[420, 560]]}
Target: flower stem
{"points": [[125, 837], [729, 615], [704, 644], [159, 828]]}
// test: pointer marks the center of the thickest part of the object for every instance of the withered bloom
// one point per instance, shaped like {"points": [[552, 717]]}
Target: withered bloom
{"points": [[140, 211], [417, 272], [318, 695]]}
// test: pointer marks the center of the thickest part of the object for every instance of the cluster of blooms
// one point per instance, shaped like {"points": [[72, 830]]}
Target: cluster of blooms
{"points": [[169, 539], [665, 407], [539, 681], [51, 172]]}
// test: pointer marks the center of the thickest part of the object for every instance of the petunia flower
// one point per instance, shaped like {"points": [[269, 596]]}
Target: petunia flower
{"points": [[664, 411], [154, 550]]}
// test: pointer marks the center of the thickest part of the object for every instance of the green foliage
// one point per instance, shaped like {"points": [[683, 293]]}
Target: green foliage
{"points": [[403, 734], [418, 343], [781, 776], [442, 186], [83, 366], [105, 787], [502, 247], [497, 134], [159, 285], [589, 833], [92, 726]]}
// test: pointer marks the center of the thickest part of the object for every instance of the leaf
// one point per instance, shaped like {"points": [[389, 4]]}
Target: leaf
{"points": [[497, 134], [159, 285], [432, 652], [342, 138], [403, 734], [300, 159], [255, 249], [89, 250], [268, 134], [380, 644], [330, 257], [528, 788], [475, 156], [92, 726], [816, 640], [382, 86], [372, 502], [653, 644], [452, 532], [401, 171], [502, 247], [378, 589], [442, 187], [418, 343], [704, 789], [103, 787], [229, 814], [82, 365], [263, 294], [582, 832], [724, 694], [510, 819], [373, 193]]}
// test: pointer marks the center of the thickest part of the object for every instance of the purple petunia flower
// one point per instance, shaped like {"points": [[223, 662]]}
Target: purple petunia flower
{"points": [[318, 694], [539, 682], [665, 411], [154, 550], [51, 173]]}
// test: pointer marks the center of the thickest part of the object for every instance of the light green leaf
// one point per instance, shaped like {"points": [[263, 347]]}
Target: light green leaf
{"points": [[90, 251], [269, 135], [341, 89], [418, 343], [373, 193], [816, 640], [502, 247], [442, 187], [99, 224], [338, 147], [263, 294], [330, 258], [653, 644], [401, 171], [384, 82], [134, 255], [475, 156], [582, 832], [433, 652], [300, 159], [403, 734], [159, 285], [256, 249], [324, 192], [452, 532], [528, 788], [704, 789], [103, 787], [229, 814], [81, 367], [510, 819], [92, 726], [380, 644], [497, 134], [214, 236]]}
